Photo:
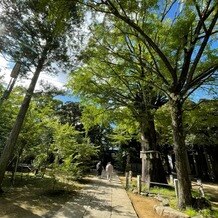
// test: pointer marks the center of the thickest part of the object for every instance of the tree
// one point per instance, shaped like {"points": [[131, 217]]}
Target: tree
{"points": [[70, 112], [8, 114], [199, 132], [44, 139], [112, 78], [72, 149], [201, 127], [126, 136], [182, 56], [76, 115], [35, 136], [35, 33]]}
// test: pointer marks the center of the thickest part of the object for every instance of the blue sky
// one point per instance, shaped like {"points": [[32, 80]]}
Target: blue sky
{"points": [[67, 98], [61, 79], [5, 71], [203, 93]]}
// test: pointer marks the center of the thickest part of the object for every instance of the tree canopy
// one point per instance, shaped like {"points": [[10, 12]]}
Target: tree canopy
{"points": [[35, 34], [141, 54], [178, 37]]}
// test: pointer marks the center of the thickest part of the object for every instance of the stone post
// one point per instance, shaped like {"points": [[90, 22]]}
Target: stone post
{"points": [[127, 180], [176, 185], [139, 184], [130, 176]]}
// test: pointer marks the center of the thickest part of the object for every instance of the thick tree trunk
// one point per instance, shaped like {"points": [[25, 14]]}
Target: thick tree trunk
{"points": [[152, 167], [12, 139], [185, 196], [144, 148]]}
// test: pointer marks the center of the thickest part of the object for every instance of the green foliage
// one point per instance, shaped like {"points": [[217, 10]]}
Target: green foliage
{"points": [[94, 115], [69, 146], [163, 125], [202, 123], [178, 40], [31, 26], [36, 135], [207, 213], [191, 212], [166, 192], [111, 75], [8, 113], [44, 139], [36, 35], [112, 84], [70, 113]]}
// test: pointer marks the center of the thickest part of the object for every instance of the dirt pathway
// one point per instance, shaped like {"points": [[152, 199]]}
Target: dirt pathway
{"points": [[144, 206]]}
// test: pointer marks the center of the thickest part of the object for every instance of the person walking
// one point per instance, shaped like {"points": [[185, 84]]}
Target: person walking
{"points": [[109, 170], [99, 168]]}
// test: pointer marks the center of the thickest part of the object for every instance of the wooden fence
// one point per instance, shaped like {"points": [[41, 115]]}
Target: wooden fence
{"points": [[174, 184]]}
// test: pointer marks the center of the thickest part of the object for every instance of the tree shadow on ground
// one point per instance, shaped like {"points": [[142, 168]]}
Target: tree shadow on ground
{"points": [[34, 197], [10, 209]]}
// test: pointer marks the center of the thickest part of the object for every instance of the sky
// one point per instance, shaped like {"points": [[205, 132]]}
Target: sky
{"points": [[5, 71], [60, 81]]}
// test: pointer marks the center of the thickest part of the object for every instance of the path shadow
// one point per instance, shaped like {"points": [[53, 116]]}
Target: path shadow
{"points": [[92, 197], [15, 211]]}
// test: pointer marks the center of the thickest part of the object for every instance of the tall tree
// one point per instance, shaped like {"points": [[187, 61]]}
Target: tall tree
{"points": [[8, 114], [70, 112], [35, 33], [113, 78], [179, 37]]}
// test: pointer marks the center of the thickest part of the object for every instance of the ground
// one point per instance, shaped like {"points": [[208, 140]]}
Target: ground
{"points": [[143, 206], [35, 198], [32, 200]]}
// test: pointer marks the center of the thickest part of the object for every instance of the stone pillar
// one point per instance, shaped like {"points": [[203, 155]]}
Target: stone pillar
{"points": [[139, 184]]}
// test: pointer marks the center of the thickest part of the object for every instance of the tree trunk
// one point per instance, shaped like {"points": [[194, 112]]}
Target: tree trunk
{"points": [[152, 167], [14, 171], [12, 139], [128, 163], [185, 196], [144, 148]]}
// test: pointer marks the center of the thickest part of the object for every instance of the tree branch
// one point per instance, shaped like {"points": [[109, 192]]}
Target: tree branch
{"points": [[202, 47], [200, 79], [145, 39]]}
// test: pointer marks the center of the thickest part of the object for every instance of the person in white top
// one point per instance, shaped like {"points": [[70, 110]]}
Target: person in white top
{"points": [[109, 170]]}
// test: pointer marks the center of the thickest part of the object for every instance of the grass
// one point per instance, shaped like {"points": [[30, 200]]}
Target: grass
{"points": [[169, 193], [165, 192], [34, 182]]}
